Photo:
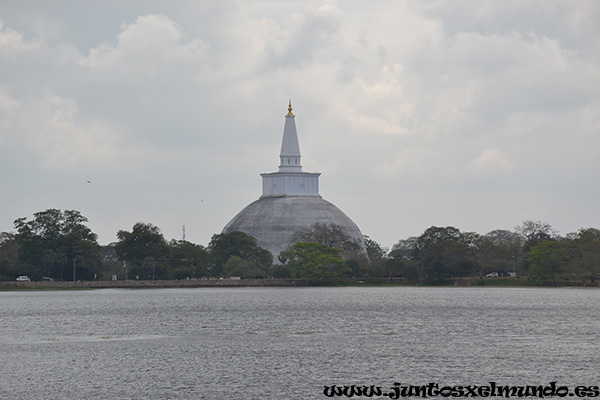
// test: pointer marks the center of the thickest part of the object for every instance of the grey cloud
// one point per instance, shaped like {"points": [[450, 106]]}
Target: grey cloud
{"points": [[402, 106]]}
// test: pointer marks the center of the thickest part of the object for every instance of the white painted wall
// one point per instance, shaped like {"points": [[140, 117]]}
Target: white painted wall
{"points": [[291, 184]]}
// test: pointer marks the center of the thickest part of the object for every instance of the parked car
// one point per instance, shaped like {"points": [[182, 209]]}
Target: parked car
{"points": [[23, 278], [47, 279], [492, 275]]}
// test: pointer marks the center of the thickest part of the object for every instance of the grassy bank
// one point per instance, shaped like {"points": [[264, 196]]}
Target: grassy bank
{"points": [[149, 284], [198, 283]]}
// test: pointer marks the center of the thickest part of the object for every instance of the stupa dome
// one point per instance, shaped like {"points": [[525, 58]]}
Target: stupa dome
{"points": [[290, 202]]}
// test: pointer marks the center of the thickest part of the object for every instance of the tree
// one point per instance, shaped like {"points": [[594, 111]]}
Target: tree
{"points": [[145, 250], [225, 245], [188, 259], [237, 266], [86, 260], [443, 254], [330, 235], [111, 264], [312, 260], [54, 239], [546, 261], [460, 255], [376, 256], [535, 232], [374, 250], [402, 260], [532, 234], [505, 250], [585, 252], [390, 267], [538, 230], [484, 256], [9, 254], [405, 249], [333, 235]]}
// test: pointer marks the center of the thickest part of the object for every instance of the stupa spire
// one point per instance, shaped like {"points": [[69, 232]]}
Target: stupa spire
{"points": [[289, 157]]}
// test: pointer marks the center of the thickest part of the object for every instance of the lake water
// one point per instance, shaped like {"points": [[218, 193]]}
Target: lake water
{"points": [[288, 343]]}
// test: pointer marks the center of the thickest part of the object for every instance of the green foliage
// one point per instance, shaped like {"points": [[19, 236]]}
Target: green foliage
{"points": [[237, 266], [376, 257], [281, 271], [57, 244], [402, 261], [188, 260], [85, 259], [436, 236], [444, 253], [459, 256], [145, 251], [225, 245], [546, 260], [390, 268], [9, 255], [333, 235], [330, 235], [374, 250], [405, 249], [111, 265], [312, 260], [499, 250], [533, 233], [584, 251], [410, 271]]}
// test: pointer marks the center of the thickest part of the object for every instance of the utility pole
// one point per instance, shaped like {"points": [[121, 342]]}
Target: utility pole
{"points": [[184, 232]]}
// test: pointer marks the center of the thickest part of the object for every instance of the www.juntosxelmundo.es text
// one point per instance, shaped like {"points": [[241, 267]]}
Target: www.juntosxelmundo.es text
{"points": [[397, 391]]}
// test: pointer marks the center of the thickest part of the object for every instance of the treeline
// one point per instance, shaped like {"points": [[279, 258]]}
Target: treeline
{"points": [[533, 250], [58, 245]]}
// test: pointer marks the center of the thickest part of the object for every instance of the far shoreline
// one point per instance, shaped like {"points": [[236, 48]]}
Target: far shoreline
{"points": [[288, 282]]}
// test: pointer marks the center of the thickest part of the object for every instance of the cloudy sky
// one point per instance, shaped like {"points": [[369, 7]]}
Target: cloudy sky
{"points": [[473, 114]]}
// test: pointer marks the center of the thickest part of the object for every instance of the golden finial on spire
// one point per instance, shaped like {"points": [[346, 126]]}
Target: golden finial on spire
{"points": [[290, 108]]}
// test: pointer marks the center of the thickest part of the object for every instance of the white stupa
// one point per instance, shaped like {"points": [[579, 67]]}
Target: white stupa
{"points": [[290, 202]]}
